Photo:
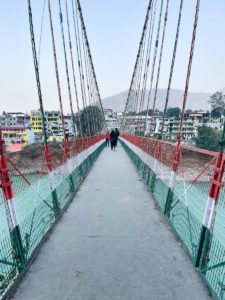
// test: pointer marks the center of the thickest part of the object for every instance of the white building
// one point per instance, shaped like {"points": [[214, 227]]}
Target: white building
{"points": [[113, 119]]}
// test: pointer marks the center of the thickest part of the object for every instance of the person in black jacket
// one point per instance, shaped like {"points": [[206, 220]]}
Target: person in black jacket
{"points": [[117, 135], [113, 139]]}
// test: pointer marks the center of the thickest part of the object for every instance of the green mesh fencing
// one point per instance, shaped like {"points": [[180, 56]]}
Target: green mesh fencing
{"points": [[37, 218], [186, 220]]}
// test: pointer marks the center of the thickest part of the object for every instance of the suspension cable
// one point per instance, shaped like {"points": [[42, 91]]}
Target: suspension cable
{"points": [[136, 64], [36, 68], [178, 151], [73, 69], [139, 75], [147, 63], [41, 32], [132, 94], [66, 65], [160, 57], [172, 68], [66, 150], [80, 62], [89, 82], [189, 70], [47, 152], [90, 58], [56, 64], [154, 61], [139, 71]]}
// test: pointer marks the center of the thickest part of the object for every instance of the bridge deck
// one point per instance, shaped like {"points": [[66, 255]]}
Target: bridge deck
{"points": [[112, 244]]}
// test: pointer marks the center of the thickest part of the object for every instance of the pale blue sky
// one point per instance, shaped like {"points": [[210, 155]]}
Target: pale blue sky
{"points": [[114, 28]]}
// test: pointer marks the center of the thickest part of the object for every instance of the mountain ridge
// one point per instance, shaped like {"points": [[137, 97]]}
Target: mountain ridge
{"points": [[195, 100]]}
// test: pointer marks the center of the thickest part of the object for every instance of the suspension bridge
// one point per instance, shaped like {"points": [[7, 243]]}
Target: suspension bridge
{"points": [[79, 221]]}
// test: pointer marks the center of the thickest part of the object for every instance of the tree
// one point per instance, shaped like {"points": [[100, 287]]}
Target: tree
{"points": [[144, 112], [92, 120], [159, 112], [217, 101], [188, 111], [173, 112], [131, 113], [216, 113], [208, 138]]}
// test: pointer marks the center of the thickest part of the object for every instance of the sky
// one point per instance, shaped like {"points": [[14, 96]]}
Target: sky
{"points": [[114, 29]]}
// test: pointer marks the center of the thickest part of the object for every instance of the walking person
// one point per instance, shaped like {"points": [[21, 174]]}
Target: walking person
{"points": [[107, 137], [113, 137], [117, 135]]}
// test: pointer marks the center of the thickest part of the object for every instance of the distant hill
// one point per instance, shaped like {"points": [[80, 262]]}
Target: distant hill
{"points": [[195, 101]]}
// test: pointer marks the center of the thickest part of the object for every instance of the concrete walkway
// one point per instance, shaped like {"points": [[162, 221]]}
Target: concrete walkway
{"points": [[112, 244]]}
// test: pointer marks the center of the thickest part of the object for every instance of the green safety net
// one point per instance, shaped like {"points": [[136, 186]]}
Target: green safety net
{"points": [[187, 209], [34, 202]]}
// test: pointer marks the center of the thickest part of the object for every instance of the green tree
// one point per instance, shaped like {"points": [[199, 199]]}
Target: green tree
{"points": [[92, 120], [144, 112], [208, 138], [216, 113], [159, 112], [131, 113], [173, 112], [188, 111], [217, 101]]}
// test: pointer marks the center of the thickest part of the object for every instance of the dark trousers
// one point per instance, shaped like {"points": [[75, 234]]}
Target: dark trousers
{"points": [[107, 142], [113, 144]]}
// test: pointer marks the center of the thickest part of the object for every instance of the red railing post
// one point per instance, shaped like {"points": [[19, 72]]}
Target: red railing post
{"points": [[169, 198], [157, 154], [210, 210], [14, 230]]}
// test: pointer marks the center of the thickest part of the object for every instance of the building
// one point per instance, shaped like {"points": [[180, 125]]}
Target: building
{"points": [[189, 129], [200, 117], [69, 126], [54, 126], [22, 135], [51, 117], [109, 114], [16, 130], [14, 119], [113, 119]]}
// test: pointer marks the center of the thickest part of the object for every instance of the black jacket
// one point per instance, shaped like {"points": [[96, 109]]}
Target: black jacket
{"points": [[113, 136]]}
